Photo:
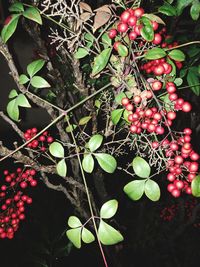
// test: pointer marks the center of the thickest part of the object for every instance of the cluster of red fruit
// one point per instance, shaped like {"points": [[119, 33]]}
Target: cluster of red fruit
{"points": [[182, 164], [41, 142], [13, 200]]}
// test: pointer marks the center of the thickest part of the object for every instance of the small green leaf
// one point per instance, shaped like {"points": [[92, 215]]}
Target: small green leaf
{"points": [[155, 53], [22, 101], [135, 189], [108, 235], [152, 190], [23, 79], [81, 53], [87, 236], [109, 209], [193, 81], [13, 93], [95, 142], [181, 4], [106, 40], [13, 110], [167, 9], [39, 82], [195, 185], [88, 163], [107, 162], [141, 167], [61, 168], [84, 120], [101, 61], [74, 222], [116, 115], [32, 13], [178, 81], [16, 7], [119, 97], [35, 66], [147, 31], [122, 50], [177, 55], [10, 27], [195, 10], [70, 128], [57, 150], [89, 39], [74, 236], [153, 17]]}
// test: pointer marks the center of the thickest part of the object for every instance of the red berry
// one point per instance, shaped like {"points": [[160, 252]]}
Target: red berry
{"points": [[122, 27], [116, 44], [125, 101], [155, 25], [132, 21], [112, 33], [158, 70], [125, 16], [176, 193], [156, 85], [186, 107], [49, 139], [157, 39], [138, 12], [132, 35]]}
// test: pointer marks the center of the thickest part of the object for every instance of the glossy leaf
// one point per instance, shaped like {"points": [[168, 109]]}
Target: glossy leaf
{"points": [[147, 31], [106, 40], [101, 61], [10, 27], [135, 189], [181, 4], [167, 9], [193, 80], [195, 185], [13, 110], [13, 93], [84, 120], [39, 82], [153, 17], [122, 50], [74, 222], [141, 167], [61, 168], [116, 115], [88, 163], [195, 10], [87, 236], [109, 209], [16, 7], [57, 150], [152, 190], [107, 162], [95, 142], [32, 13], [81, 53], [22, 101], [74, 236], [177, 55], [23, 79], [155, 53], [108, 235], [35, 66]]}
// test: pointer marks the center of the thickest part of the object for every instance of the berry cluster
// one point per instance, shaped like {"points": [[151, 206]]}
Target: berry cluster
{"points": [[13, 200], [39, 143]]}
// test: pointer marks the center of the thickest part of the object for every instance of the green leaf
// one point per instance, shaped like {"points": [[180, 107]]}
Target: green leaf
{"points": [[101, 61], [57, 150], [195, 10], [16, 7], [107, 162], [147, 31], [122, 50], [32, 13], [155, 53], [39, 82], [141, 167], [89, 39], [13, 110], [167, 9], [173, 72], [177, 55], [74, 236], [109, 209], [135, 189], [153, 17], [108, 235], [195, 185], [61, 168], [95, 142], [70, 128], [88, 163], [181, 4], [10, 27], [22, 101], [74, 222], [152, 190], [119, 97], [167, 102], [193, 81], [81, 53], [35, 66], [87, 236], [84, 120], [13, 93], [178, 81], [106, 40], [116, 115], [23, 79]]}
